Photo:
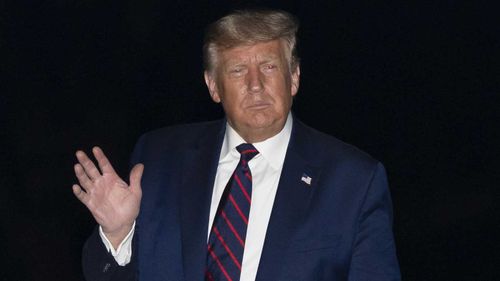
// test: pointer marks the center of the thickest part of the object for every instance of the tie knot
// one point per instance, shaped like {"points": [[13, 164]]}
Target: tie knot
{"points": [[247, 151]]}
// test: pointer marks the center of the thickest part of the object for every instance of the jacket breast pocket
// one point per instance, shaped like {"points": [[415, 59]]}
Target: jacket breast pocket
{"points": [[323, 242]]}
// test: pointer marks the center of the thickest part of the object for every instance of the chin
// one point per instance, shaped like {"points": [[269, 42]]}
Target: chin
{"points": [[261, 119], [263, 123]]}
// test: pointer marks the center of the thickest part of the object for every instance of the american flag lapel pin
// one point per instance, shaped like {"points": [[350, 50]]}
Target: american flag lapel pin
{"points": [[305, 178]]}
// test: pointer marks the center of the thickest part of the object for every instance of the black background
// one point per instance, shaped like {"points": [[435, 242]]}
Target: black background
{"points": [[415, 84]]}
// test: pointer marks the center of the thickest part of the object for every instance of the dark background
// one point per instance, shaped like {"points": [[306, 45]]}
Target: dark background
{"points": [[415, 84]]}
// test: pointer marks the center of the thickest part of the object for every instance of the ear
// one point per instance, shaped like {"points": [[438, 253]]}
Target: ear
{"points": [[212, 87], [295, 80]]}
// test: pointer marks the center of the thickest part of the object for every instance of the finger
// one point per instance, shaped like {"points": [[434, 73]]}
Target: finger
{"points": [[103, 161], [80, 194], [87, 165], [135, 177], [82, 177]]}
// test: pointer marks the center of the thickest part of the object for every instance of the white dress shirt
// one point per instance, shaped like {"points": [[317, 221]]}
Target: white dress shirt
{"points": [[266, 170]]}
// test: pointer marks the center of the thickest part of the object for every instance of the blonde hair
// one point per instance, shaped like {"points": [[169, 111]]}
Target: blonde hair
{"points": [[248, 27]]}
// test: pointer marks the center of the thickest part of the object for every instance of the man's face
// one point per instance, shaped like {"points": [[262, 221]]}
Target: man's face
{"points": [[256, 87]]}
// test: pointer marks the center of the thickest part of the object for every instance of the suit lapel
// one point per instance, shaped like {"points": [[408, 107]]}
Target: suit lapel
{"points": [[290, 205], [199, 169]]}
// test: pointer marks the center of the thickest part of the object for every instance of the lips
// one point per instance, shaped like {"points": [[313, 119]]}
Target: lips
{"points": [[259, 106]]}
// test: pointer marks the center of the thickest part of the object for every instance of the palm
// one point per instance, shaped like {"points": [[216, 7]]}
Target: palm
{"points": [[114, 204]]}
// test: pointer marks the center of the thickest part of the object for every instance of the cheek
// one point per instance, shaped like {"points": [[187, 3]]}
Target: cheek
{"points": [[232, 104], [282, 92], [231, 89]]}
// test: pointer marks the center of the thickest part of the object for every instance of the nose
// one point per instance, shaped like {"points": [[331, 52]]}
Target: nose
{"points": [[254, 80]]}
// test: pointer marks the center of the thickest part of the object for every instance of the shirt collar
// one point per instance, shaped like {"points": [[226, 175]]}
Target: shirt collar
{"points": [[272, 149]]}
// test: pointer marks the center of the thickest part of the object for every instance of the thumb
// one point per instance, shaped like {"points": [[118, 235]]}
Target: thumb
{"points": [[135, 176]]}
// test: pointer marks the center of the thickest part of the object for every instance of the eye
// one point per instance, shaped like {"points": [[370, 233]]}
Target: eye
{"points": [[269, 67], [236, 71]]}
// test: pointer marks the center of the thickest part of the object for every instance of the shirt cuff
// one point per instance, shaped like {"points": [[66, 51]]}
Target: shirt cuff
{"points": [[123, 253]]}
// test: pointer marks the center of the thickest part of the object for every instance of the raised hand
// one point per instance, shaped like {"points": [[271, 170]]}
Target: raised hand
{"points": [[114, 204]]}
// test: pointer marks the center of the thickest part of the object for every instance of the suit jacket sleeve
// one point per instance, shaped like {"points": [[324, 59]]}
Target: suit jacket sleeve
{"points": [[99, 265], [374, 256]]}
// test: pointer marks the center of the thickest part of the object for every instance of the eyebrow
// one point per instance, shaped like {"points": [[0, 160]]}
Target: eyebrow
{"points": [[263, 59]]}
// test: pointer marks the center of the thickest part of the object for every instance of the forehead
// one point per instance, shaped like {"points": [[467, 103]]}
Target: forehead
{"points": [[271, 50]]}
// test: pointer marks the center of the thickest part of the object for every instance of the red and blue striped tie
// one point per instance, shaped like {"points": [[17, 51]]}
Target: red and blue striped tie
{"points": [[227, 236]]}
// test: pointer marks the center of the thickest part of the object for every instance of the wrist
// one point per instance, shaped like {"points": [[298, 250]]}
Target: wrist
{"points": [[116, 236]]}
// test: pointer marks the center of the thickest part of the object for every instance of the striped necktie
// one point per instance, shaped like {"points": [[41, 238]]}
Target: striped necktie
{"points": [[226, 242]]}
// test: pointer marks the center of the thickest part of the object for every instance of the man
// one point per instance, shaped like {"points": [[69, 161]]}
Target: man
{"points": [[300, 205]]}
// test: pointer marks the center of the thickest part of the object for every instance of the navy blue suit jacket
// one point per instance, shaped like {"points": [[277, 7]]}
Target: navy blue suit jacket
{"points": [[337, 228]]}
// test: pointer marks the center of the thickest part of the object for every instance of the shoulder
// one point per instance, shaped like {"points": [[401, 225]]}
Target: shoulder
{"points": [[183, 132], [172, 139], [326, 150]]}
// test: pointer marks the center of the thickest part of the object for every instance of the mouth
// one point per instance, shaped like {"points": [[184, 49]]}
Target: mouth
{"points": [[258, 106]]}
